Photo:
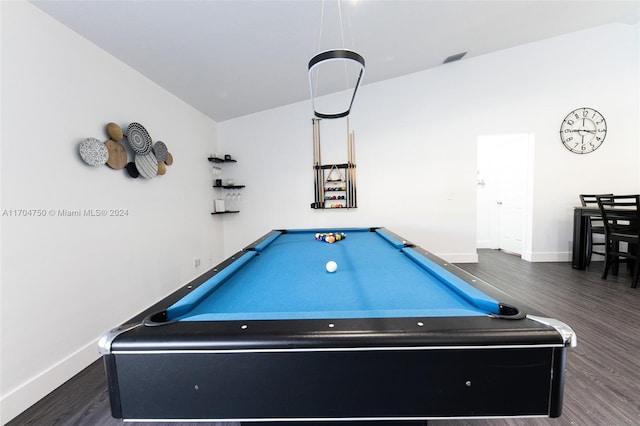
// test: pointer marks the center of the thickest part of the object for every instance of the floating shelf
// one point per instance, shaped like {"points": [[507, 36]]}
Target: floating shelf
{"points": [[229, 186], [331, 166], [218, 183], [221, 160]]}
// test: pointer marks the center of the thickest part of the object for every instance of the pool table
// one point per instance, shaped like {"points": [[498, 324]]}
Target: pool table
{"points": [[394, 334]]}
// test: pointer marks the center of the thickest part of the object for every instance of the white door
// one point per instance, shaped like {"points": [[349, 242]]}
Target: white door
{"points": [[503, 162], [512, 180]]}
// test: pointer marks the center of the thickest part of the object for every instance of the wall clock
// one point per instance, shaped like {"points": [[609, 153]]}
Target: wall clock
{"points": [[583, 130]]}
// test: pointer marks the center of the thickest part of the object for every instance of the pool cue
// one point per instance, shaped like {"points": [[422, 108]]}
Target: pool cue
{"points": [[354, 196], [352, 171], [350, 188], [351, 195], [318, 164], [348, 193], [320, 170], [315, 160], [351, 203]]}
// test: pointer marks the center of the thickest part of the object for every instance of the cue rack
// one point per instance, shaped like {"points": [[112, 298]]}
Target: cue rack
{"points": [[335, 184]]}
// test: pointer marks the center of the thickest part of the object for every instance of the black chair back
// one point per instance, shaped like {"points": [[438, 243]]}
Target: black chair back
{"points": [[620, 212], [621, 217], [591, 199], [594, 226]]}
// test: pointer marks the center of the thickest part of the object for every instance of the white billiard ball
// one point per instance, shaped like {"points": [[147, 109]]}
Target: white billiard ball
{"points": [[331, 266]]}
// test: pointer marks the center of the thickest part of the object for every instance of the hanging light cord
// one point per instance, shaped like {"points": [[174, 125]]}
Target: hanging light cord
{"points": [[341, 28], [321, 25], [346, 73], [341, 25], [315, 89]]}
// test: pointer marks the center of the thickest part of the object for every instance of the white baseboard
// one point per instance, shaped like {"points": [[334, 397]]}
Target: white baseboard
{"points": [[460, 257], [545, 256], [482, 244], [18, 400], [549, 257], [529, 257]]}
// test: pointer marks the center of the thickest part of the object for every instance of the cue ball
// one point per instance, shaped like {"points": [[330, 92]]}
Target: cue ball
{"points": [[331, 266]]}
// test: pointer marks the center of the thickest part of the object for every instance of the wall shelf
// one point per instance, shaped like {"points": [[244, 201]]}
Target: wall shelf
{"points": [[232, 198], [229, 186], [221, 160]]}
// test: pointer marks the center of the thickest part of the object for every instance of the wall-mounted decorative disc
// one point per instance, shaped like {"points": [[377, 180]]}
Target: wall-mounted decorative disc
{"points": [[162, 168], [114, 131], [160, 150], [93, 152], [169, 160], [147, 165], [117, 155], [138, 138], [132, 170]]}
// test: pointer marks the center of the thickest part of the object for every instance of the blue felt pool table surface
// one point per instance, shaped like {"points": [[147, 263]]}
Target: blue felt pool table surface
{"points": [[377, 276]]}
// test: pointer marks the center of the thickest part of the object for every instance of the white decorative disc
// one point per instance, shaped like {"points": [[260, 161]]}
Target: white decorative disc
{"points": [[147, 165], [138, 138], [94, 152]]}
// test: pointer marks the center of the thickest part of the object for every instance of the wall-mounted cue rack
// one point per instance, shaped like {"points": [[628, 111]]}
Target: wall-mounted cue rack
{"points": [[335, 184]]}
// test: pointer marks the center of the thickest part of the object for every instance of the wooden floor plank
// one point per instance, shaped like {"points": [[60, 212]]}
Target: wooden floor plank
{"points": [[603, 373]]}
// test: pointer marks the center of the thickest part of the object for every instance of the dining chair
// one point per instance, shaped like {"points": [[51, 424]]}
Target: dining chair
{"points": [[621, 218], [594, 226]]}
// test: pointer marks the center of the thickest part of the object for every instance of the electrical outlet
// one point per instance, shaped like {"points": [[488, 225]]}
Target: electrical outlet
{"points": [[196, 262]]}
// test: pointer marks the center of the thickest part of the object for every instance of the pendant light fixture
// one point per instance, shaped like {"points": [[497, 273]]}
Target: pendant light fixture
{"points": [[330, 64]]}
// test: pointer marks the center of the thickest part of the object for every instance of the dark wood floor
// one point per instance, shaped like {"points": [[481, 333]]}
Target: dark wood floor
{"points": [[603, 372]]}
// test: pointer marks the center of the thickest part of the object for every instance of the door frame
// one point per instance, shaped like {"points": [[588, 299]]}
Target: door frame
{"points": [[487, 213]]}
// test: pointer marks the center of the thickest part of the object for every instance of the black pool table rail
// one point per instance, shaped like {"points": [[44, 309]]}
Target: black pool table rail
{"points": [[260, 335]]}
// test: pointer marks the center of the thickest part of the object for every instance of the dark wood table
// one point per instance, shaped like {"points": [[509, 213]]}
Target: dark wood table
{"points": [[581, 217]]}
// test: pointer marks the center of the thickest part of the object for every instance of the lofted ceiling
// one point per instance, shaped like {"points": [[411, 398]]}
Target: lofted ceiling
{"points": [[236, 57]]}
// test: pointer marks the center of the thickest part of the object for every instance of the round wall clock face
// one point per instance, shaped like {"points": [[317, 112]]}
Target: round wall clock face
{"points": [[583, 130]]}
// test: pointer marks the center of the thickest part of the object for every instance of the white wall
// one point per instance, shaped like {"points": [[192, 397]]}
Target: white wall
{"points": [[66, 280], [416, 145]]}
